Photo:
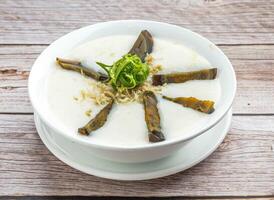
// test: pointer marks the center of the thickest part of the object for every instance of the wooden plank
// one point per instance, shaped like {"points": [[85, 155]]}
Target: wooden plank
{"points": [[248, 52], [14, 100], [15, 64], [253, 65], [128, 198], [224, 22], [242, 165]]}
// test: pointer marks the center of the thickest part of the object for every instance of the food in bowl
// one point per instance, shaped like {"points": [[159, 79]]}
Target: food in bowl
{"points": [[142, 91]]}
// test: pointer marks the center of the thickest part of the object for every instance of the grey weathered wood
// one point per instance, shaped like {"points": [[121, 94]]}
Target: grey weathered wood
{"points": [[248, 52], [224, 22], [242, 165], [253, 65], [14, 100]]}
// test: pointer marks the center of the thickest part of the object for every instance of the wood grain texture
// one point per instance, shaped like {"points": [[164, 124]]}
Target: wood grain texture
{"points": [[244, 160], [253, 65], [127, 198], [241, 168], [222, 21]]}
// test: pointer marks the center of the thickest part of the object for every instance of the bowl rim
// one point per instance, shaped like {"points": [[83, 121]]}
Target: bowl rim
{"points": [[137, 147]]}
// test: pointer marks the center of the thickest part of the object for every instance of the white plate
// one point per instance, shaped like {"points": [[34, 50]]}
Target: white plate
{"points": [[192, 153]]}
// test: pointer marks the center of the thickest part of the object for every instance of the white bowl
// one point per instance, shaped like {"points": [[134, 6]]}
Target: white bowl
{"points": [[43, 66]]}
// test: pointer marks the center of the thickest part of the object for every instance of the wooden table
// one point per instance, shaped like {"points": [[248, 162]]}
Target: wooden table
{"points": [[243, 166]]}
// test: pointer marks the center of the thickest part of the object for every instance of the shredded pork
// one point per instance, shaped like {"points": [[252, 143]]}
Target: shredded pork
{"points": [[102, 93]]}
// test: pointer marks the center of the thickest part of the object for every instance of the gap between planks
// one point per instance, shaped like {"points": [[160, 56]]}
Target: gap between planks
{"points": [[133, 198], [234, 114], [219, 44]]}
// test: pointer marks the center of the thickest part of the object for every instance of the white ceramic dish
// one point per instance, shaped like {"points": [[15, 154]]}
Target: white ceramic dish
{"points": [[191, 154], [42, 68]]}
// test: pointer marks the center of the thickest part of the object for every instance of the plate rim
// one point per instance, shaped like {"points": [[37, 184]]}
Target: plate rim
{"points": [[58, 153]]}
